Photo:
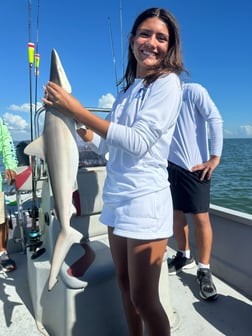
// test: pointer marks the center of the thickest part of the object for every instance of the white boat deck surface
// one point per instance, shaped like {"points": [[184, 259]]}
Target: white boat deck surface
{"points": [[230, 315], [16, 315]]}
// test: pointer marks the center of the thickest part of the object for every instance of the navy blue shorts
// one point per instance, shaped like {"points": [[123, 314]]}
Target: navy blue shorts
{"points": [[189, 193]]}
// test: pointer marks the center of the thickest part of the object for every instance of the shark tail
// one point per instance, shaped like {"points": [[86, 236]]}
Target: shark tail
{"points": [[65, 240]]}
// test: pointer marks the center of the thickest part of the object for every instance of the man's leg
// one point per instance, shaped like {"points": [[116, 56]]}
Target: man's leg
{"points": [[6, 263], [204, 238], [183, 259], [3, 223], [3, 236], [181, 230]]}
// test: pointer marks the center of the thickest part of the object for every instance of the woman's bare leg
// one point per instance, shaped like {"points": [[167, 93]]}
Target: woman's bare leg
{"points": [[118, 246], [144, 262], [138, 266]]}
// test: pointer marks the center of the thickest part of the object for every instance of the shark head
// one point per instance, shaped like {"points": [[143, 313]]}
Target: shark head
{"points": [[57, 72]]}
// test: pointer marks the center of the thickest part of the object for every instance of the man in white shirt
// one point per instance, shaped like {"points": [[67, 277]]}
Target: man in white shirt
{"points": [[190, 168]]}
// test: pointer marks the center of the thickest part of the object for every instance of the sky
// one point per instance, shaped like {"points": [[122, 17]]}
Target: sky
{"points": [[91, 38]]}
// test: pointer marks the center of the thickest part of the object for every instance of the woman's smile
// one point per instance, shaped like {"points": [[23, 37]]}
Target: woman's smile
{"points": [[150, 45]]}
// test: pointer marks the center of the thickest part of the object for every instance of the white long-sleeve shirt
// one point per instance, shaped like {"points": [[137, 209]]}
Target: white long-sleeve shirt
{"points": [[198, 113], [142, 122]]}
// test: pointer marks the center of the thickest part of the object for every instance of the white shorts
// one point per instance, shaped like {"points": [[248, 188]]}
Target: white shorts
{"points": [[146, 217]]}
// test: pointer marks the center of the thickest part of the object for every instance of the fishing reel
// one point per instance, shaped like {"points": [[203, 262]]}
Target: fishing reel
{"points": [[34, 236]]}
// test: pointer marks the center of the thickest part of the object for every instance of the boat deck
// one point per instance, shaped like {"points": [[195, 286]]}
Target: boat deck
{"points": [[16, 317], [230, 315]]}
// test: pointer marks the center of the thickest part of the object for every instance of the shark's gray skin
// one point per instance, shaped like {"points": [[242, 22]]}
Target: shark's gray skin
{"points": [[57, 146]]}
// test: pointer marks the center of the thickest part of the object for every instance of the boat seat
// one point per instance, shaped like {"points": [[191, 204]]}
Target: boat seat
{"points": [[88, 197], [88, 202]]}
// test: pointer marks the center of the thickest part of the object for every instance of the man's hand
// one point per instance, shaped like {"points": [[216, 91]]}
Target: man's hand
{"points": [[10, 176], [207, 167]]}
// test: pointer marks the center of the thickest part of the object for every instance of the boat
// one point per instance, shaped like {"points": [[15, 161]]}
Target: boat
{"points": [[86, 300]]}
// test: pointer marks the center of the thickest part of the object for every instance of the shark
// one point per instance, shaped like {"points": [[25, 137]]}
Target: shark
{"points": [[57, 146]]}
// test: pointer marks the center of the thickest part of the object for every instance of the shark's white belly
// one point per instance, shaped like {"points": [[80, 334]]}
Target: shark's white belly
{"points": [[60, 144]]}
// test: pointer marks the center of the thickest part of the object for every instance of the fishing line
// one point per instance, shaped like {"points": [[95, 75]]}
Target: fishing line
{"points": [[37, 57], [121, 30], [122, 46], [113, 53], [29, 19]]}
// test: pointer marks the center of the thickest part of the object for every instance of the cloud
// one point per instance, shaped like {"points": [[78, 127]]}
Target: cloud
{"points": [[23, 108], [18, 126], [15, 122], [246, 130], [227, 133], [242, 131], [106, 101]]}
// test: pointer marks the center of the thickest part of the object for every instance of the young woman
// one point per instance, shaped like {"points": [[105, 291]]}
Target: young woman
{"points": [[137, 134]]}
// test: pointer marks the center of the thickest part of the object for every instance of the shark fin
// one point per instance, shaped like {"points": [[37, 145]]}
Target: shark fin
{"points": [[36, 148], [63, 243]]}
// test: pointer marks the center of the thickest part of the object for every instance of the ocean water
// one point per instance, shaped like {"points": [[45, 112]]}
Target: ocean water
{"points": [[231, 185]]}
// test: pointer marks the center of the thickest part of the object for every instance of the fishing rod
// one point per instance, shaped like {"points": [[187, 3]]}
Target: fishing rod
{"points": [[34, 235], [31, 47], [31, 51], [37, 111]]}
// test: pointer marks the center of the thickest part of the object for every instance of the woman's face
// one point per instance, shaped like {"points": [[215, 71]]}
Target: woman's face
{"points": [[150, 45]]}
